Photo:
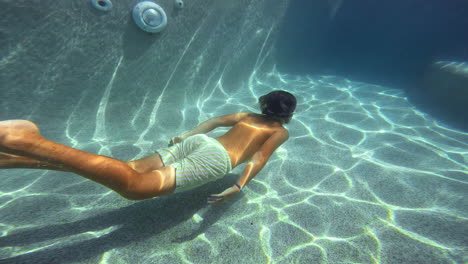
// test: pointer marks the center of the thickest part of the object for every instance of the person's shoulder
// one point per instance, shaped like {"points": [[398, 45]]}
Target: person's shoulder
{"points": [[247, 115], [230, 120], [277, 138], [244, 117], [279, 132], [283, 132]]}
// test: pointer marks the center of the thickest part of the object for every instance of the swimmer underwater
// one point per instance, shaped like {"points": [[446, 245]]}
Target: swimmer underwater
{"points": [[191, 159]]}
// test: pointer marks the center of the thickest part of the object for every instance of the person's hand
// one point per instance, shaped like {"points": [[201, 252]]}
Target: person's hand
{"points": [[174, 140], [225, 195]]}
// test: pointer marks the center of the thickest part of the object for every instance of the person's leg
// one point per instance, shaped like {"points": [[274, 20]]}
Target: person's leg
{"points": [[146, 164], [22, 138], [10, 161]]}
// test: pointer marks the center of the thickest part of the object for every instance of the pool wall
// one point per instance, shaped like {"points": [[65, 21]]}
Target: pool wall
{"points": [[70, 67]]}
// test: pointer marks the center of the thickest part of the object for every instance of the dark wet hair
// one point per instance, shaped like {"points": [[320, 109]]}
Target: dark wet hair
{"points": [[279, 104]]}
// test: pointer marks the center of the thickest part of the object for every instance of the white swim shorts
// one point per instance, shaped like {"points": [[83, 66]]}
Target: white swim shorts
{"points": [[197, 159]]}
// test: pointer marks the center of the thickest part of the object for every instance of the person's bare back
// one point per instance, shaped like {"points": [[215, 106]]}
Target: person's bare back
{"points": [[247, 136]]}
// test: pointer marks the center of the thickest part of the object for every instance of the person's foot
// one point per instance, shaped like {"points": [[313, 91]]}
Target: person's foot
{"points": [[14, 132]]}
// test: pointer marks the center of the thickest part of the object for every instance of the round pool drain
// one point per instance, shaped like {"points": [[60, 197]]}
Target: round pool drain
{"points": [[149, 16], [102, 5], [179, 4]]}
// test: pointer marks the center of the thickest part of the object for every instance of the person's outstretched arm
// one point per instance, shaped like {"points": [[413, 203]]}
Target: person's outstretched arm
{"points": [[257, 163]]}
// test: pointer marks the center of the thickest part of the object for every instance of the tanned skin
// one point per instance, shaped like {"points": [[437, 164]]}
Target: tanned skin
{"points": [[253, 138]]}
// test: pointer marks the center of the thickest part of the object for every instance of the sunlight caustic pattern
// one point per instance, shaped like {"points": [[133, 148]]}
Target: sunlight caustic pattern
{"points": [[364, 178], [363, 175]]}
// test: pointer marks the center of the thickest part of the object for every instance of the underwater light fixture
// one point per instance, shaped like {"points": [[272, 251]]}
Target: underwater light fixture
{"points": [[179, 4], [149, 16], [102, 5]]}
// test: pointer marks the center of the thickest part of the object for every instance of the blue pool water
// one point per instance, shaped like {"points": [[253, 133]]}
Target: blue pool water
{"points": [[364, 175], [367, 176]]}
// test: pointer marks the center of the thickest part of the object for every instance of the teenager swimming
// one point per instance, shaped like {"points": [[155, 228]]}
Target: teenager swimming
{"points": [[191, 160]]}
